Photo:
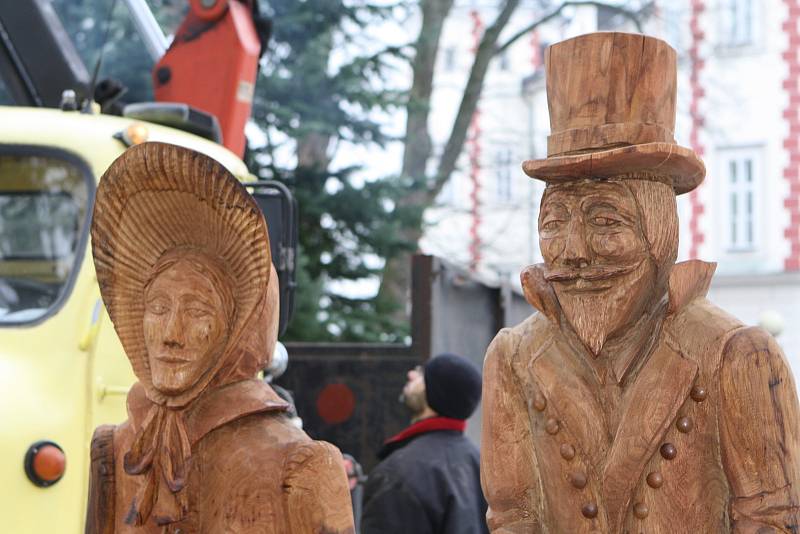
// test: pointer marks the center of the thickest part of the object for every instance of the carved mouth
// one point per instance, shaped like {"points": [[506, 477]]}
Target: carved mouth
{"points": [[172, 358], [589, 274], [583, 286]]}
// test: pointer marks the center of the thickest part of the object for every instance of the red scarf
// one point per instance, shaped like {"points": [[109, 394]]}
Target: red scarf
{"points": [[431, 424]]}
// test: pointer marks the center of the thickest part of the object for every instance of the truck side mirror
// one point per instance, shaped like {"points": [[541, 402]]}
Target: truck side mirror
{"points": [[280, 210]]}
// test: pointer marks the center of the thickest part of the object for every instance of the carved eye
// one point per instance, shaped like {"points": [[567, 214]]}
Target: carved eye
{"points": [[157, 307], [197, 312], [604, 221], [552, 225]]}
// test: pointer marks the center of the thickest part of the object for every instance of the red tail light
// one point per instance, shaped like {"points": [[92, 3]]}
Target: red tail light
{"points": [[45, 463]]}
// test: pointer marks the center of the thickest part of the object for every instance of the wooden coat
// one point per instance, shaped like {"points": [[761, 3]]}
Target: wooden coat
{"points": [[251, 470], [700, 437]]}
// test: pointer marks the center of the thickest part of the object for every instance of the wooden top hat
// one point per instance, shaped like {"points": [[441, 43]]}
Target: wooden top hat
{"points": [[611, 98]]}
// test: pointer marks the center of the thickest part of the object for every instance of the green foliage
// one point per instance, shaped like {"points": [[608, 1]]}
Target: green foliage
{"points": [[347, 227], [345, 233], [125, 57], [298, 93], [308, 87]]}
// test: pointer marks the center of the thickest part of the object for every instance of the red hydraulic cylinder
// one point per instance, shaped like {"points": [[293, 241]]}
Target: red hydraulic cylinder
{"points": [[212, 65]]}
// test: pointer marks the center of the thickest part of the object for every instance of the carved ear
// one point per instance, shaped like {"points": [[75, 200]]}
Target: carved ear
{"points": [[538, 291]]}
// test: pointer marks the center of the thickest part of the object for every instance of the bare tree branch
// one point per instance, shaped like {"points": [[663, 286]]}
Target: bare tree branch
{"points": [[472, 93], [418, 144], [633, 16]]}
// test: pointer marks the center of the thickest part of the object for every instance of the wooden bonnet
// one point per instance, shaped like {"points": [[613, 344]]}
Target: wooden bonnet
{"points": [[156, 198]]}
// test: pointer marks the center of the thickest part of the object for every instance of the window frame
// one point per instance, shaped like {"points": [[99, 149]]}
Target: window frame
{"points": [[732, 241], [10, 149], [728, 22], [504, 175]]}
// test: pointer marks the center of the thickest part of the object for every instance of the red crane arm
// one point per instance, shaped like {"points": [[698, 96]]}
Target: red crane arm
{"points": [[212, 65]]}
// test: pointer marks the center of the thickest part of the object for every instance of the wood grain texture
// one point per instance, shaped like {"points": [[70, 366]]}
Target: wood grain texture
{"points": [[607, 88], [629, 403], [735, 470], [182, 257], [100, 511], [612, 99]]}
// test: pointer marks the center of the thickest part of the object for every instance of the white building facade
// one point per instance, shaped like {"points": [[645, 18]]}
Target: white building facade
{"points": [[738, 108]]}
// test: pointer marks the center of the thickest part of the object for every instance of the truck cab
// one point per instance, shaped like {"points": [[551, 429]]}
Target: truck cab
{"points": [[62, 369]]}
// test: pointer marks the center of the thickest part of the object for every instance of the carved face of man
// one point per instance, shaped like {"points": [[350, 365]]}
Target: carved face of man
{"points": [[597, 257], [185, 327]]}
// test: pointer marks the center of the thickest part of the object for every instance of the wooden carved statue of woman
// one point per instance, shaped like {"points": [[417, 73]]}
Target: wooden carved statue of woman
{"points": [[182, 258]]}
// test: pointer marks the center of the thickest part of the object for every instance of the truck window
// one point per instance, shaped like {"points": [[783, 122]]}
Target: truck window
{"points": [[5, 96], [44, 202]]}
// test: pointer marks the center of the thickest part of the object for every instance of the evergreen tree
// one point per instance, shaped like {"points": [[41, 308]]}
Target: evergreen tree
{"points": [[347, 227]]}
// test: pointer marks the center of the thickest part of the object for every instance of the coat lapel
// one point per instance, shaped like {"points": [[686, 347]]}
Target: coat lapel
{"points": [[570, 399], [649, 407]]}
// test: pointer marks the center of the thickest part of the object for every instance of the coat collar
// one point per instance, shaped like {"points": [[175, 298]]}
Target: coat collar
{"points": [[688, 280], [431, 424], [215, 408], [649, 404], [164, 439]]}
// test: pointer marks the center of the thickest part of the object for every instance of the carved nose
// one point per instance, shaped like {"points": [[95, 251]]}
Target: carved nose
{"points": [[576, 252], [173, 335], [173, 343]]}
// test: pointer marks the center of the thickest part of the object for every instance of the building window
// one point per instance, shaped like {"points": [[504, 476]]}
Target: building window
{"points": [[741, 197], [450, 59], [738, 28], [503, 60], [503, 171]]}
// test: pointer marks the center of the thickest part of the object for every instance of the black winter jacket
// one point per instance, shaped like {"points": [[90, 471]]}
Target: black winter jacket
{"points": [[428, 484]]}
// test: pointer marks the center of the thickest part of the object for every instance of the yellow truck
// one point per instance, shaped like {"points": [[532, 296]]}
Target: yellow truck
{"points": [[62, 368]]}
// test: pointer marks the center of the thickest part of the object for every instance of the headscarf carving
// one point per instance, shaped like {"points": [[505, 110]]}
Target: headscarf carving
{"points": [[155, 204]]}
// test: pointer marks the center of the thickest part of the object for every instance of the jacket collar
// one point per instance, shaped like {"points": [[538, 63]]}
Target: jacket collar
{"points": [[431, 424], [649, 404], [164, 439], [215, 408], [688, 280]]}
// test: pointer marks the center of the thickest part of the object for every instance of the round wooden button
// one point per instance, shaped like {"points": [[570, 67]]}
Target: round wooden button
{"points": [[684, 425], [640, 510], [668, 451], [698, 393], [589, 510], [551, 426], [655, 480], [539, 402], [567, 451], [578, 479]]}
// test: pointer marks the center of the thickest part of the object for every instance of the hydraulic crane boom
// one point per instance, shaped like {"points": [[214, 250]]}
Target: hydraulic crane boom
{"points": [[212, 64]]}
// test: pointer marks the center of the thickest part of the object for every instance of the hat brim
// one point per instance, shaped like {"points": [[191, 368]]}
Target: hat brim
{"points": [[156, 198], [679, 163]]}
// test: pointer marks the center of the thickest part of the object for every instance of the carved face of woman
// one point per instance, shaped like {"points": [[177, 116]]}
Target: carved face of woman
{"points": [[184, 327]]}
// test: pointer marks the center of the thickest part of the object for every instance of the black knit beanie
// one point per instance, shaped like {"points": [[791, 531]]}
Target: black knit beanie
{"points": [[452, 386]]}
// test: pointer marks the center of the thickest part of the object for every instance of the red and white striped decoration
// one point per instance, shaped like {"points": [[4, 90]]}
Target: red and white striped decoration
{"points": [[698, 121], [474, 151], [791, 143]]}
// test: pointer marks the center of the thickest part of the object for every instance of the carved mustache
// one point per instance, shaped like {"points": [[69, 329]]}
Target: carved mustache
{"points": [[590, 274]]}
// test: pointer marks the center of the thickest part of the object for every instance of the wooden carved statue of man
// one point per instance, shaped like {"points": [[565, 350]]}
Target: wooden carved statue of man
{"points": [[182, 258], [629, 403]]}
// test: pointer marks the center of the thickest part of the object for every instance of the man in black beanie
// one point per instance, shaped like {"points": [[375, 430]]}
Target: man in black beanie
{"points": [[428, 481]]}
